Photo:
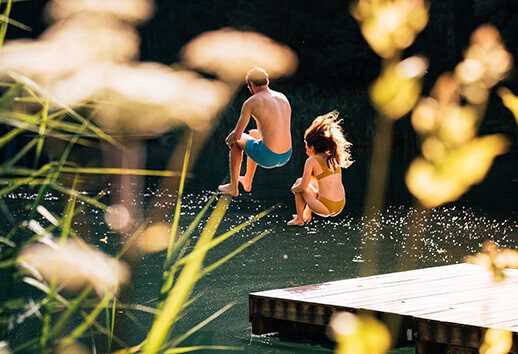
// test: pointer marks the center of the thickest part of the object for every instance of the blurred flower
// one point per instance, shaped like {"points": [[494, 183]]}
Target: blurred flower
{"points": [[496, 341], [446, 89], [359, 334], [454, 158], [145, 98], [495, 259], [68, 46], [439, 182], [155, 238], [510, 101], [73, 265], [425, 117], [230, 53], [457, 124], [390, 26], [486, 62], [398, 88], [74, 348], [127, 10], [118, 217]]}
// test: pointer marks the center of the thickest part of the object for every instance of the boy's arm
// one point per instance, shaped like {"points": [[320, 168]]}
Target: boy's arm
{"points": [[244, 119], [306, 177]]}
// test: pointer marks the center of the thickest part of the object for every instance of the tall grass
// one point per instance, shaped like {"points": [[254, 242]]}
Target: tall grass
{"points": [[69, 317]]}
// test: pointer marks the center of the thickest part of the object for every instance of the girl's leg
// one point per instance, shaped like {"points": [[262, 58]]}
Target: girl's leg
{"points": [[307, 210], [300, 205], [310, 196]]}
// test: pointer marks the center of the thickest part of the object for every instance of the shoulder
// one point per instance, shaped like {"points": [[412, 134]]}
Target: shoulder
{"points": [[279, 95], [310, 162]]}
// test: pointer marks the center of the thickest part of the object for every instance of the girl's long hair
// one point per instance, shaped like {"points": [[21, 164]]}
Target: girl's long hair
{"points": [[326, 136]]}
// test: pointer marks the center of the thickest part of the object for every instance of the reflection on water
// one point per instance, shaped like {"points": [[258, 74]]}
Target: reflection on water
{"points": [[324, 250]]}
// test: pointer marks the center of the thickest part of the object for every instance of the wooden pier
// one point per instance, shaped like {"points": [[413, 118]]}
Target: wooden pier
{"points": [[439, 310]]}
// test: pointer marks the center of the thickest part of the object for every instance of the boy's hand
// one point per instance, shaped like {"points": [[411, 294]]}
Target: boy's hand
{"points": [[231, 139]]}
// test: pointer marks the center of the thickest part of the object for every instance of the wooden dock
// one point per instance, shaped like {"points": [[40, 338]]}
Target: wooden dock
{"points": [[439, 310]]}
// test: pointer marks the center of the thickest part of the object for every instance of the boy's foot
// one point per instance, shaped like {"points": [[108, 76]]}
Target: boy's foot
{"points": [[227, 189], [247, 185], [296, 222]]}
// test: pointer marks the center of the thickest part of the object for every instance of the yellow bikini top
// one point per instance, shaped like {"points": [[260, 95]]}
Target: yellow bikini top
{"points": [[326, 171]]}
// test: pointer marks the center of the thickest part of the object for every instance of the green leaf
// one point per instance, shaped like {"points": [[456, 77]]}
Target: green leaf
{"points": [[183, 287], [7, 98]]}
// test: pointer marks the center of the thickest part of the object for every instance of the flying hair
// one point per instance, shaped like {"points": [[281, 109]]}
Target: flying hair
{"points": [[326, 136]]}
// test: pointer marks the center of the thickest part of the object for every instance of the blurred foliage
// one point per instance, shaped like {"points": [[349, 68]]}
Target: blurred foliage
{"points": [[357, 334]]}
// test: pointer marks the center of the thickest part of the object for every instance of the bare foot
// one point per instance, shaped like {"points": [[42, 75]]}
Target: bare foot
{"points": [[307, 215], [247, 186], [227, 189], [296, 222]]}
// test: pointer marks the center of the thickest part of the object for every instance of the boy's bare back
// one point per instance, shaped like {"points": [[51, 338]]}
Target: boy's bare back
{"points": [[272, 112]]}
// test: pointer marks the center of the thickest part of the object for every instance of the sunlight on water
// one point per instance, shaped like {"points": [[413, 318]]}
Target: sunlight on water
{"points": [[324, 250]]}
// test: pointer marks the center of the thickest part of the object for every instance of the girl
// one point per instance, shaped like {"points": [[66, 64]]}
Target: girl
{"points": [[320, 189]]}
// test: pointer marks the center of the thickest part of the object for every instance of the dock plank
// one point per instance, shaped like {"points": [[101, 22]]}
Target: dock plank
{"points": [[461, 299]]}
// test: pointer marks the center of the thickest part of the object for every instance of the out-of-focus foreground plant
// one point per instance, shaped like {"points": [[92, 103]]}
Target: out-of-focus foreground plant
{"points": [[80, 83], [454, 157]]}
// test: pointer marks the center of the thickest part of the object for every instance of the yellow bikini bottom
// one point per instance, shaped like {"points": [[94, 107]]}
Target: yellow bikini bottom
{"points": [[334, 207]]}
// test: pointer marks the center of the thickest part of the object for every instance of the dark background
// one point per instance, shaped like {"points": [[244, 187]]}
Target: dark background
{"points": [[336, 68]]}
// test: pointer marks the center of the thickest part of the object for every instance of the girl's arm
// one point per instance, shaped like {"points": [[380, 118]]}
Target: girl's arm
{"points": [[306, 177]]}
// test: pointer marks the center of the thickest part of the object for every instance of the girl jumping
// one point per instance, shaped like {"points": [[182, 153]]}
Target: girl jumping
{"points": [[320, 189]]}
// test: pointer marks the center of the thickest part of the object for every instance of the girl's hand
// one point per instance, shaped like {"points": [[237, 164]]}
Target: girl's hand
{"points": [[296, 187]]}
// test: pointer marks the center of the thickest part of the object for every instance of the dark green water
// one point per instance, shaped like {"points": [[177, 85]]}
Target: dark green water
{"points": [[324, 250]]}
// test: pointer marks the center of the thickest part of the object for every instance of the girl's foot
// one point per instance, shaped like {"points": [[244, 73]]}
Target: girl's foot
{"points": [[296, 222], [247, 185], [228, 189], [304, 217], [307, 215]]}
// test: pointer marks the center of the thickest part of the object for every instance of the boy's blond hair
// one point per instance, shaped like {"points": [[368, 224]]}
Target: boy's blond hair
{"points": [[257, 76]]}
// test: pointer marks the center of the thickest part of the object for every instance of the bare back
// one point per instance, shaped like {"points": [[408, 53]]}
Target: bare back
{"points": [[272, 112]]}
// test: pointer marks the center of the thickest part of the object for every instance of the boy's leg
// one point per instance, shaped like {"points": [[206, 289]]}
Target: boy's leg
{"points": [[235, 159], [251, 166]]}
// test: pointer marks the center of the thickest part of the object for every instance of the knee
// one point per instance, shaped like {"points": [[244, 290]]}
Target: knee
{"points": [[236, 148], [254, 133], [298, 180]]}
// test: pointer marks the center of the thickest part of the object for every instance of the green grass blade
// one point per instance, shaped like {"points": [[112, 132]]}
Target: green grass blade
{"points": [[23, 151], [89, 320], [28, 83], [200, 347], [14, 23], [7, 98], [202, 324], [223, 237], [178, 207], [183, 287], [92, 201], [4, 24], [41, 132], [190, 229], [69, 214], [6, 138], [224, 259], [119, 171], [75, 305], [23, 181]]}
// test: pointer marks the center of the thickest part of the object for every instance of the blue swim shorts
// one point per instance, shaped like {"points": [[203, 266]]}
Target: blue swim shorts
{"points": [[264, 157]]}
